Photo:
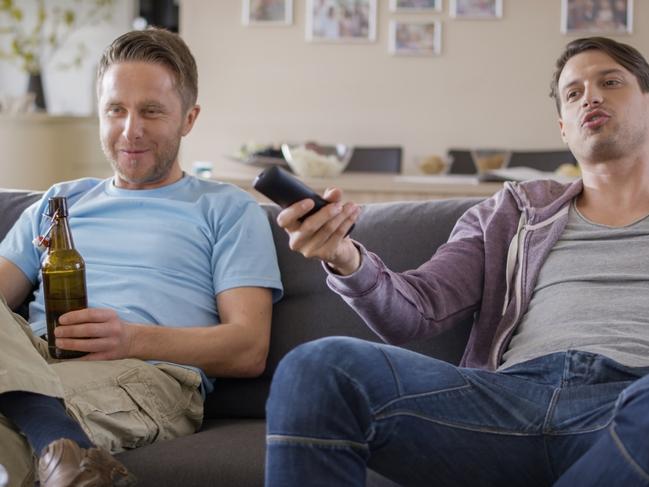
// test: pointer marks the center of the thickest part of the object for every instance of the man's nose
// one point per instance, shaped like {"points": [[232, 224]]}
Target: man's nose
{"points": [[592, 96], [133, 127]]}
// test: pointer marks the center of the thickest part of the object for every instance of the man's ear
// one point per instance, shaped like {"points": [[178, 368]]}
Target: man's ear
{"points": [[563, 132], [190, 119]]}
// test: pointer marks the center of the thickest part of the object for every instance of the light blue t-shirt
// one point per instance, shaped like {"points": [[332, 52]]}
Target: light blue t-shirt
{"points": [[156, 256]]}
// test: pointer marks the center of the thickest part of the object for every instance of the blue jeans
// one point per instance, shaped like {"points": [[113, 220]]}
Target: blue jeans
{"points": [[340, 405]]}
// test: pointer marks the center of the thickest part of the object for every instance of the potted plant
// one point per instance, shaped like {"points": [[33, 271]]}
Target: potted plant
{"points": [[30, 34]]}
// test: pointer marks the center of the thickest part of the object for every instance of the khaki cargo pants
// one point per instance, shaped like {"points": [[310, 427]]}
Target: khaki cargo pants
{"points": [[120, 404]]}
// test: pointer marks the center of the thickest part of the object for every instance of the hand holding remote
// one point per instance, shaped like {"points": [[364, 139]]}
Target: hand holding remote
{"points": [[322, 236]]}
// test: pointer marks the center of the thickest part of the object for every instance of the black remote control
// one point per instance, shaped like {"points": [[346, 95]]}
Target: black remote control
{"points": [[285, 189]]}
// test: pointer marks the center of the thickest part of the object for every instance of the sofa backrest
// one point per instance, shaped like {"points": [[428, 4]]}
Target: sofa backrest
{"points": [[404, 234]]}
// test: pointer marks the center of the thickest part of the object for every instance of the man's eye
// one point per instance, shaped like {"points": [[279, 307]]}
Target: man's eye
{"points": [[571, 95], [611, 82], [114, 110]]}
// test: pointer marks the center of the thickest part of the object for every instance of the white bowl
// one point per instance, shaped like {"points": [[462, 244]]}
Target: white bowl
{"points": [[317, 161]]}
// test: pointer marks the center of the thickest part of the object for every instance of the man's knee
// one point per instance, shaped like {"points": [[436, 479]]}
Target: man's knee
{"points": [[326, 353], [317, 368]]}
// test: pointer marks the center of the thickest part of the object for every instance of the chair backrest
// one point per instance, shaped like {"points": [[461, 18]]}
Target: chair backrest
{"points": [[541, 160], [461, 162], [375, 159]]}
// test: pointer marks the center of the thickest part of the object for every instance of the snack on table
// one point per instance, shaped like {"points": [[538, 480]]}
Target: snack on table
{"points": [[307, 162]]}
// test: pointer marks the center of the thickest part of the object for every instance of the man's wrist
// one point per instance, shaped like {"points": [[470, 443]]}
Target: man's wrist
{"points": [[350, 264]]}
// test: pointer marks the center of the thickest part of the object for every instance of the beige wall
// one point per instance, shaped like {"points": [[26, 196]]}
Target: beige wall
{"points": [[487, 89]]}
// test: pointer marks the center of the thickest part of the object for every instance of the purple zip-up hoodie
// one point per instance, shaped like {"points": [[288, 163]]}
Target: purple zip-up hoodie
{"points": [[487, 269]]}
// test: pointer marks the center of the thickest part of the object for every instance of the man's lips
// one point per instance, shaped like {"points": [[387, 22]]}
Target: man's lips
{"points": [[595, 119], [133, 152]]}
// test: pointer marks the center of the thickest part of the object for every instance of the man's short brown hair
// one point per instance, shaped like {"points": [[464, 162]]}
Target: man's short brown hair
{"points": [[158, 46], [623, 54]]}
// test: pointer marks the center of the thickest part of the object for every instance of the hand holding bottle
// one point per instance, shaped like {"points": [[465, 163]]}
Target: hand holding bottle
{"points": [[97, 332]]}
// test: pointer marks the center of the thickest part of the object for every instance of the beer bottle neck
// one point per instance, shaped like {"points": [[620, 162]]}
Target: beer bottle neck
{"points": [[61, 237]]}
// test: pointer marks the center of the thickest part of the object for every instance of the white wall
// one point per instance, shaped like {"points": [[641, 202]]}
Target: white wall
{"points": [[69, 91], [489, 87]]}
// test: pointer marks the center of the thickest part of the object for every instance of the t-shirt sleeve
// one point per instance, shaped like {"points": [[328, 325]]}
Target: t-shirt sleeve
{"points": [[244, 252], [17, 245]]}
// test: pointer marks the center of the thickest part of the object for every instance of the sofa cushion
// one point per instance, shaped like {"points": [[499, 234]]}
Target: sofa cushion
{"points": [[226, 452], [12, 204]]}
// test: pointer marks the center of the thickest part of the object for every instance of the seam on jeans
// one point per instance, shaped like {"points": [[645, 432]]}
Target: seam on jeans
{"points": [[577, 432], [369, 435], [392, 369], [548, 414], [566, 369], [625, 453], [455, 425], [419, 395], [308, 441]]}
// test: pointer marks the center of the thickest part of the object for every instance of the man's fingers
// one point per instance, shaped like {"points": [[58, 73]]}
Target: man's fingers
{"points": [[333, 194], [289, 217], [82, 330], [84, 344], [86, 315], [323, 244]]}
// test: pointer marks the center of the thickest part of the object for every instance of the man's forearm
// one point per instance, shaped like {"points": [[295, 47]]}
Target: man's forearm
{"points": [[224, 350]]}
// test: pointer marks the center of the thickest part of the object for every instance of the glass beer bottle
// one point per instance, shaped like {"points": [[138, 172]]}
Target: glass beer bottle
{"points": [[64, 276]]}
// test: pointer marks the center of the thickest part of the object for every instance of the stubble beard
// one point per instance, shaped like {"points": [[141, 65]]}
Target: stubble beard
{"points": [[164, 161], [620, 142]]}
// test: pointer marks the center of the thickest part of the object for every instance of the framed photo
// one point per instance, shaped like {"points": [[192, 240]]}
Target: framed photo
{"points": [[415, 38], [476, 9], [267, 12], [341, 20], [597, 16], [416, 5]]}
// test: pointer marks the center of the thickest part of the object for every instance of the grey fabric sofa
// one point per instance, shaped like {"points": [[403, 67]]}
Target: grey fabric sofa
{"points": [[229, 449]]}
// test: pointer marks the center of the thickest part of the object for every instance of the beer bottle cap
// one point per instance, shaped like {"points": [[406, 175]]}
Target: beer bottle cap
{"points": [[57, 204]]}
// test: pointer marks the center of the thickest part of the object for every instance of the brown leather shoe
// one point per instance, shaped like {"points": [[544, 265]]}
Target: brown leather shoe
{"points": [[65, 464]]}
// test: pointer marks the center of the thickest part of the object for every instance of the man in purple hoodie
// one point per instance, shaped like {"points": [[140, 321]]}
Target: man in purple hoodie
{"points": [[553, 385]]}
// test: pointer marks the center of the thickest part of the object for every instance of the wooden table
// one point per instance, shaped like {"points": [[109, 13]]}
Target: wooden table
{"points": [[370, 187]]}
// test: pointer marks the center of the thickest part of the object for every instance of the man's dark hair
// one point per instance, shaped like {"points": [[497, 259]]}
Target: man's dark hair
{"points": [[157, 46], [625, 55]]}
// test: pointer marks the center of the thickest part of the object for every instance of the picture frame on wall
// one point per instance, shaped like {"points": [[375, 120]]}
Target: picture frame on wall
{"points": [[341, 20], [267, 12], [597, 16], [416, 5], [476, 9], [415, 38]]}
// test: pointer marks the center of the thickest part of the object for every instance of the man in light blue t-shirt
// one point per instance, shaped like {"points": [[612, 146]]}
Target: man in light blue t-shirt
{"points": [[181, 277]]}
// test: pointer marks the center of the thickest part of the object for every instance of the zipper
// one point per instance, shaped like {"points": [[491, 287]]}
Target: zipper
{"points": [[518, 287], [518, 292]]}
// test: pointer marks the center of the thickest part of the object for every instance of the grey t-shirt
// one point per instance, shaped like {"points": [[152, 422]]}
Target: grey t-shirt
{"points": [[592, 294]]}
